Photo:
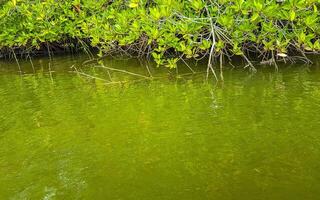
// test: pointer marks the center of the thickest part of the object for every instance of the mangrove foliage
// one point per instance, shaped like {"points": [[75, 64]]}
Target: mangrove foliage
{"points": [[165, 30]]}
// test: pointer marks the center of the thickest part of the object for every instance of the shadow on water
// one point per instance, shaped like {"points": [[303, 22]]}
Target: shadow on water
{"points": [[64, 136]]}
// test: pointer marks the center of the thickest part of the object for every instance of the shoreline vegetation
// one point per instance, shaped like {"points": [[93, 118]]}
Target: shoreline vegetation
{"points": [[167, 31]]}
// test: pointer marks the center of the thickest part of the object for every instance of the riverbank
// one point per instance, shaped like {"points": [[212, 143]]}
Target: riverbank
{"points": [[166, 31]]}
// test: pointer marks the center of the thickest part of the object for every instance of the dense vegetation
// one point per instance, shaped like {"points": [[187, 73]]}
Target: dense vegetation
{"points": [[166, 30]]}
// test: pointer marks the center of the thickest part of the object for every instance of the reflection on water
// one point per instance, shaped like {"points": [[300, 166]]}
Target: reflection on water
{"points": [[252, 137]]}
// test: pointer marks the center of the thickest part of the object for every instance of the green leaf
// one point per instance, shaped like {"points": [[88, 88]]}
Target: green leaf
{"points": [[134, 3], [292, 15], [254, 17]]}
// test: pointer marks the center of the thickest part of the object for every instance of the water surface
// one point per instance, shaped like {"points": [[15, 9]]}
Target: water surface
{"points": [[63, 136]]}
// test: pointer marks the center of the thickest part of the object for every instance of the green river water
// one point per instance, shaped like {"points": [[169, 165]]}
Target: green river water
{"points": [[65, 136]]}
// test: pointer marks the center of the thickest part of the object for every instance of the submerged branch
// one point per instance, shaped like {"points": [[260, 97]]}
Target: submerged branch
{"points": [[123, 71]]}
